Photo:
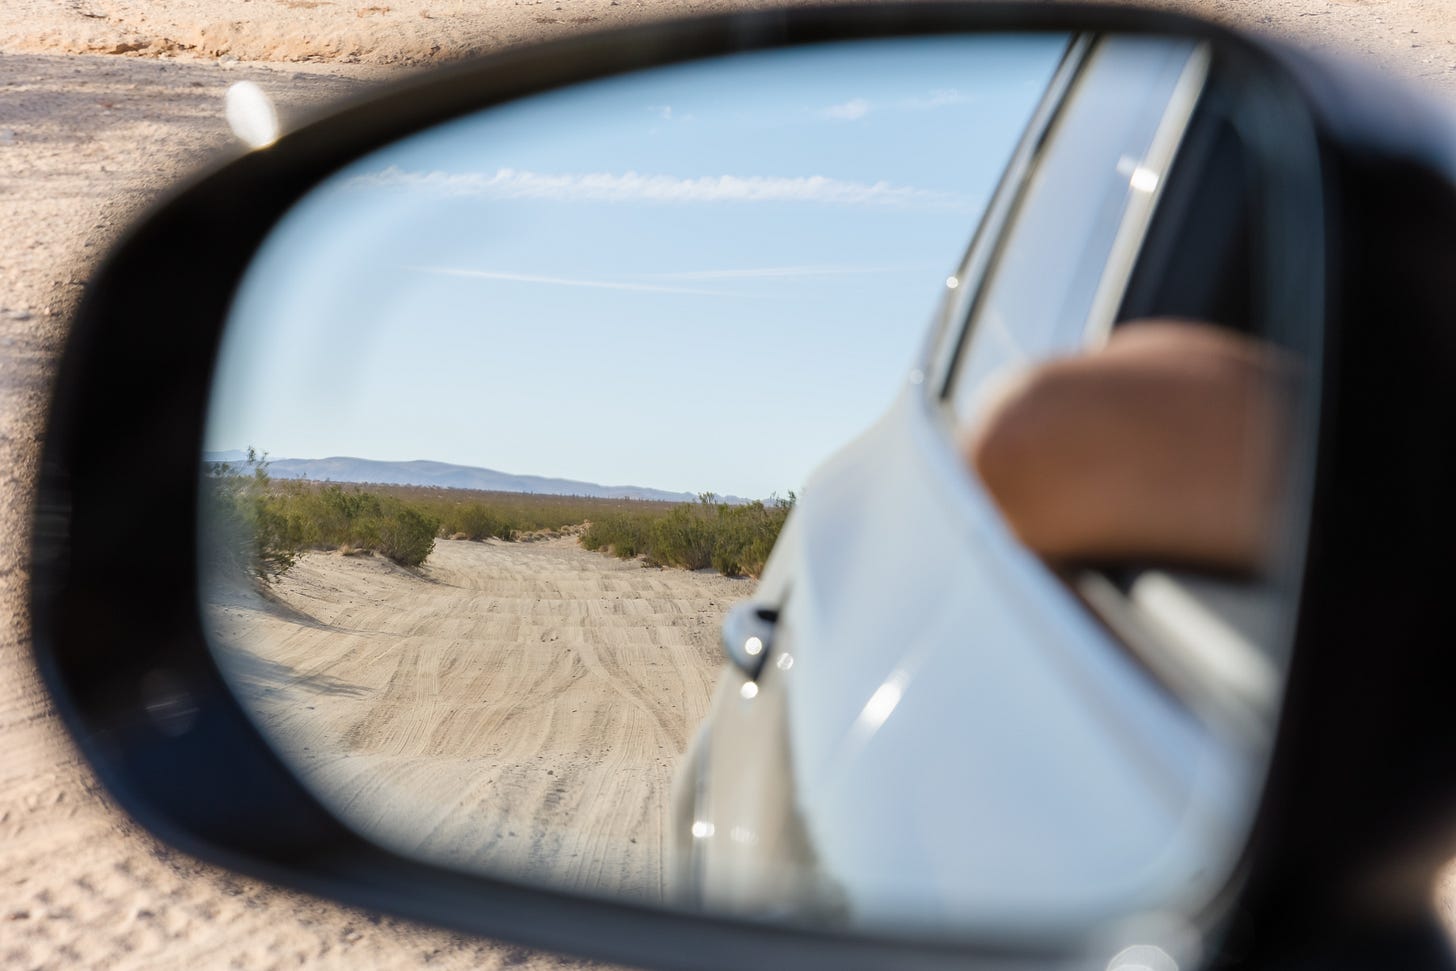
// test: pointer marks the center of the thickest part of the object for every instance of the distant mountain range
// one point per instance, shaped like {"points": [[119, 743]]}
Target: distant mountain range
{"points": [[445, 475]]}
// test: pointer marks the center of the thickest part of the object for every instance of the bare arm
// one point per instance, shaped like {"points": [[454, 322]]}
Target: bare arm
{"points": [[1167, 445]]}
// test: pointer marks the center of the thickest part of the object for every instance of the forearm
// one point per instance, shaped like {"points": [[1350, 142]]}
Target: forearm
{"points": [[1167, 445]]}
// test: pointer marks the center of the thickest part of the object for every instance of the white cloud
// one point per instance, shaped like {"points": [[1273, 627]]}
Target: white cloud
{"points": [[851, 110], [633, 187]]}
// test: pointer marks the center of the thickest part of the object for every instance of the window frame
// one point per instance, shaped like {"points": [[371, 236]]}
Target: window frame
{"points": [[1162, 617], [977, 274]]}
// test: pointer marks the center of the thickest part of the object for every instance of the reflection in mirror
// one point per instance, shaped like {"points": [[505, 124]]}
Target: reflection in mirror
{"points": [[541, 391]]}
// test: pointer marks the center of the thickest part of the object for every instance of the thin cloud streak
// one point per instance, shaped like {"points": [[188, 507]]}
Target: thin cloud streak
{"points": [[774, 272], [857, 108], [558, 281], [666, 189], [939, 98], [665, 113]]}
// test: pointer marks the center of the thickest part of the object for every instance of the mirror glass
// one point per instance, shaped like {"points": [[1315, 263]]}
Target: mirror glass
{"points": [[512, 418]]}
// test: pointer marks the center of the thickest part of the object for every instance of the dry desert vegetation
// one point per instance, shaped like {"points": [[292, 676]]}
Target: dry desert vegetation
{"points": [[103, 103]]}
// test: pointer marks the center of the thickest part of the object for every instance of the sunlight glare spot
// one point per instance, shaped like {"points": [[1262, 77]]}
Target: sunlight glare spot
{"points": [[1143, 179], [1142, 957], [881, 704], [250, 115]]}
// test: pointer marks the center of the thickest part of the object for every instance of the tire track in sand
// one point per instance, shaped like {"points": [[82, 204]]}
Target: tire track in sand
{"points": [[512, 706]]}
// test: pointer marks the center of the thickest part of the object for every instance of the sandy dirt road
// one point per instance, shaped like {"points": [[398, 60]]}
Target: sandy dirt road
{"points": [[87, 138], [516, 706]]}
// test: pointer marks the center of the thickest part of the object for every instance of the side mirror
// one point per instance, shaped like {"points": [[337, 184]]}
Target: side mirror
{"points": [[748, 635], [536, 344]]}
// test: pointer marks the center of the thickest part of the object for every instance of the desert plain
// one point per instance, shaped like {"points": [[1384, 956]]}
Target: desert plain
{"points": [[507, 707], [105, 103]]}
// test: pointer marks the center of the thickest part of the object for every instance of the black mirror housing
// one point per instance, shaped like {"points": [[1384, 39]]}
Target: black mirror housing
{"points": [[1357, 814]]}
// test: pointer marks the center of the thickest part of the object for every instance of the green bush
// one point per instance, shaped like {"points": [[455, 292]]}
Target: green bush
{"points": [[248, 530], [685, 537], [735, 540], [622, 534], [259, 526], [334, 517], [402, 533], [476, 521]]}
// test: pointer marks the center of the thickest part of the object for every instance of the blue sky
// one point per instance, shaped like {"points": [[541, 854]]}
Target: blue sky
{"points": [[699, 278]]}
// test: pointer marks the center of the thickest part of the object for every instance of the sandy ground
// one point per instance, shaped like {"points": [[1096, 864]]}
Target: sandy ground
{"points": [[512, 707], [86, 139]]}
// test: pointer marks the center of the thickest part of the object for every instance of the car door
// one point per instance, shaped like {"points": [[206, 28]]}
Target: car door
{"points": [[942, 732]]}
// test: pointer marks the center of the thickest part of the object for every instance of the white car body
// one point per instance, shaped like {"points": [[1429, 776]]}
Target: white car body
{"points": [[943, 732]]}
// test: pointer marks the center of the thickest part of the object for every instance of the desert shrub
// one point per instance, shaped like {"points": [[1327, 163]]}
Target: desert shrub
{"points": [[475, 521], [403, 533], [622, 534], [509, 516], [744, 535], [260, 525], [685, 536], [333, 517], [246, 529], [733, 539]]}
